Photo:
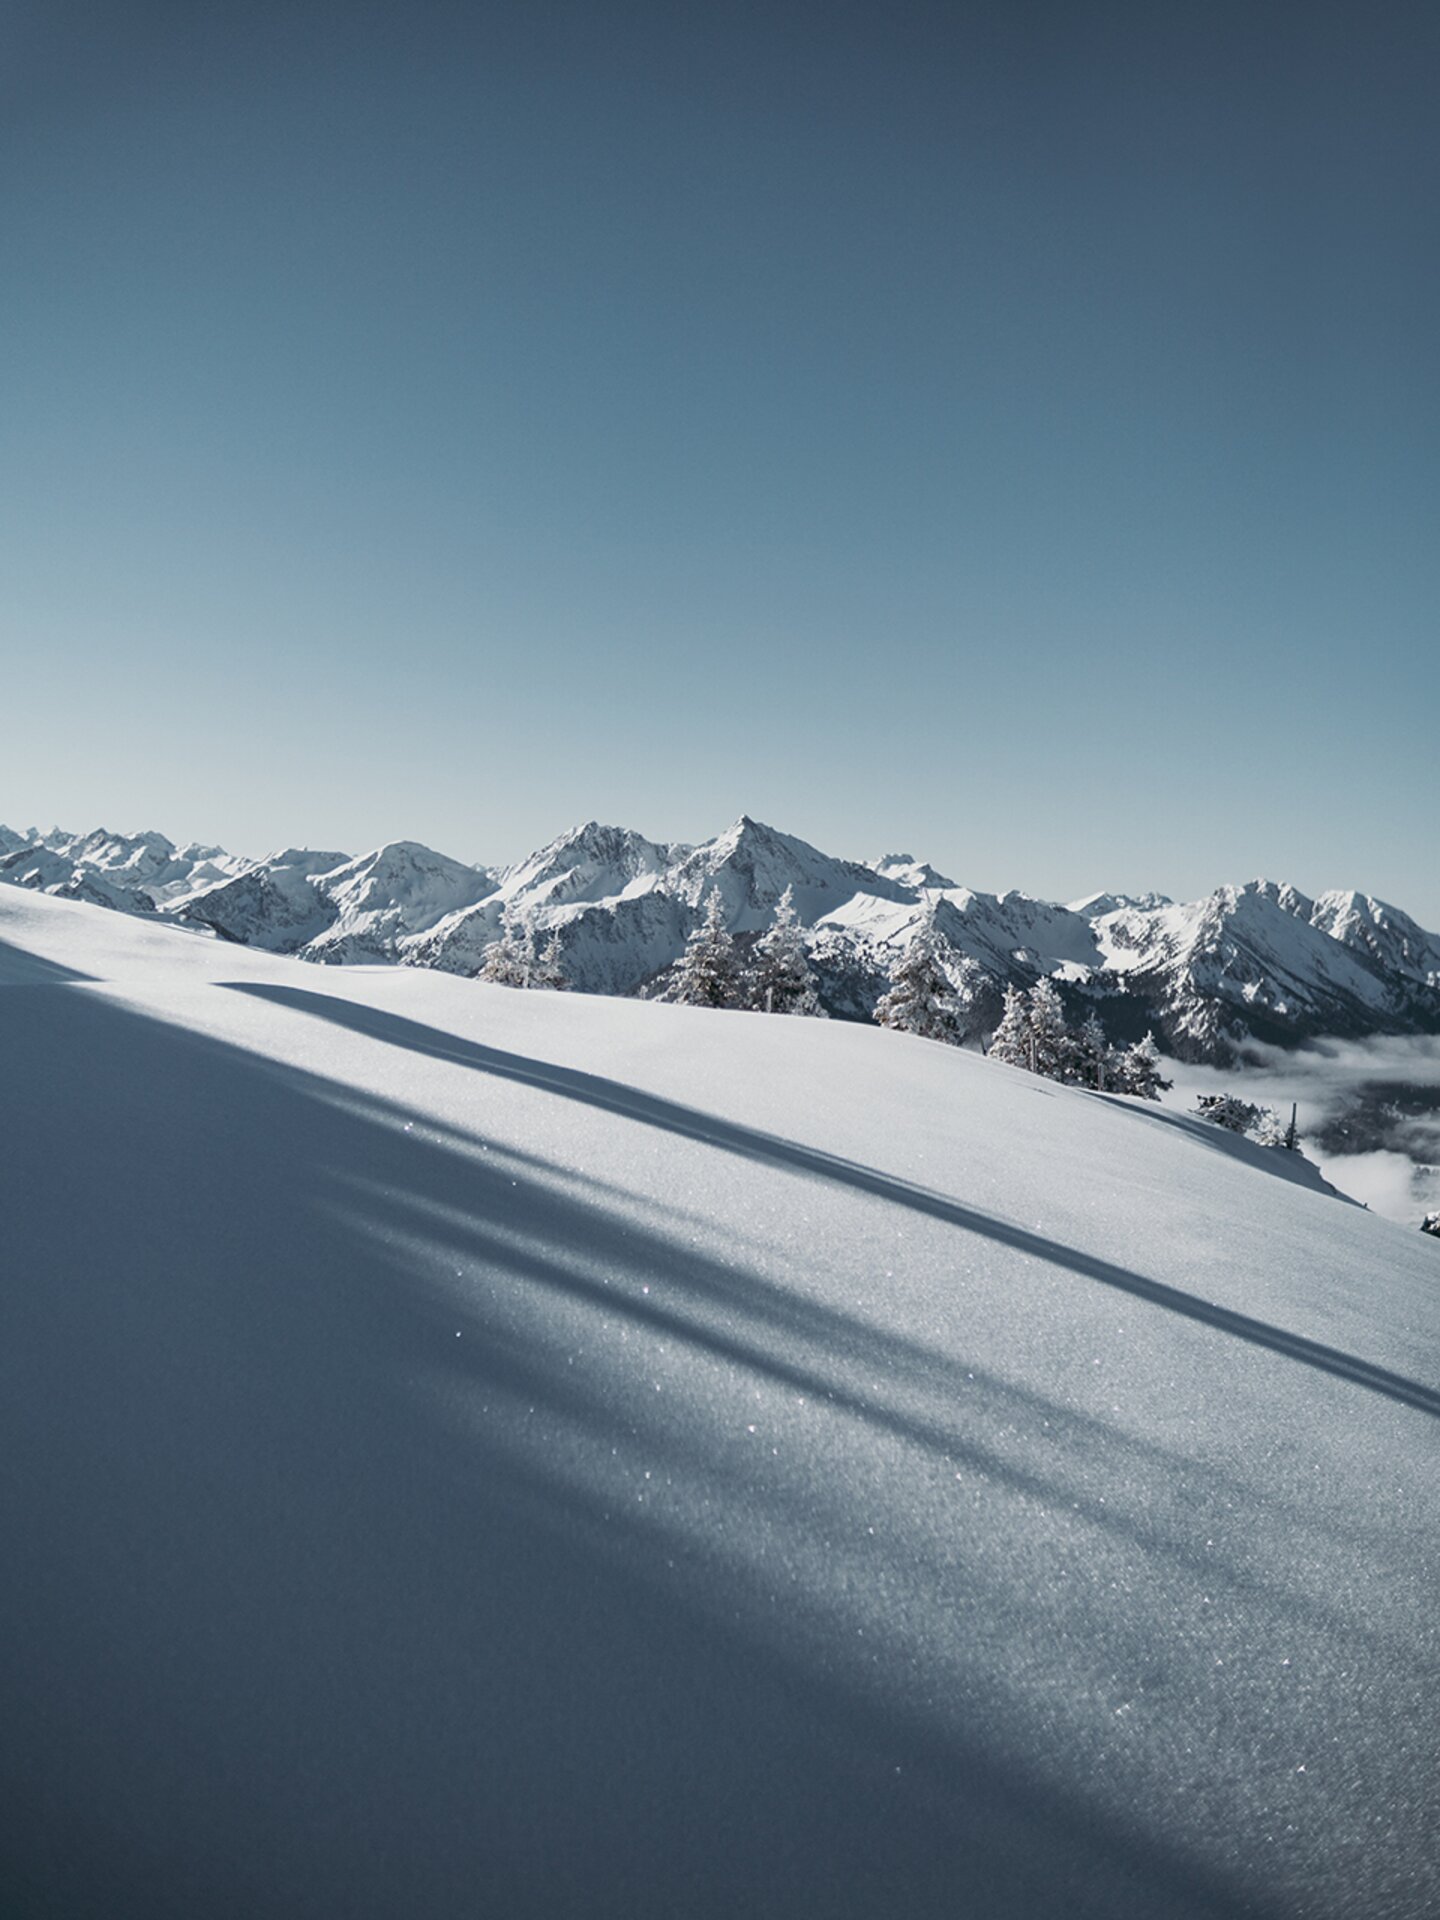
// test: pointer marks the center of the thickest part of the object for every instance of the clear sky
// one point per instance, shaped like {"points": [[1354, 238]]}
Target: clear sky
{"points": [[1008, 434]]}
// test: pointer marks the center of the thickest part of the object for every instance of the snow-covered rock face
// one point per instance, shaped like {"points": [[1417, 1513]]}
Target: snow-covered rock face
{"points": [[134, 872], [1389, 937], [591, 863], [623, 905], [1259, 961], [1263, 961], [1095, 904], [388, 897], [44, 870], [335, 909], [274, 904], [752, 865], [918, 875]]}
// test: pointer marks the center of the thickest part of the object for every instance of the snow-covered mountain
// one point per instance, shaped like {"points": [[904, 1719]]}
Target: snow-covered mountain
{"points": [[1260, 961], [601, 888], [134, 872], [1390, 938], [472, 1452], [1096, 904], [273, 904], [44, 870], [336, 910]]}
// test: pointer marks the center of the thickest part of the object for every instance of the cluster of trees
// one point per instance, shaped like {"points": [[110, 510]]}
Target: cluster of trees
{"points": [[1260, 1124], [775, 976], [517, 959], [1033, 1033]]}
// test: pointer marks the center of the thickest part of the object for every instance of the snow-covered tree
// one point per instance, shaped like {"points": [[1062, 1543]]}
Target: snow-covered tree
{"points": [[510, 960], [549, 969], [781, 978], [1224, 1110], [1269, 1129], [1094, 1061], [919, 998], [708, 973], [1137, 1071], [1010, 1042], [1052, 1043], [1263, 1125]]}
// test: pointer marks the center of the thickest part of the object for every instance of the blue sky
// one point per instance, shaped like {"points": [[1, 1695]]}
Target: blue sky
{"points": [[1007, 434]]}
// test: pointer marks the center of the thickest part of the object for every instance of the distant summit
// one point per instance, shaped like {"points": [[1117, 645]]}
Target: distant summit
{"points": [[1261, 961]]}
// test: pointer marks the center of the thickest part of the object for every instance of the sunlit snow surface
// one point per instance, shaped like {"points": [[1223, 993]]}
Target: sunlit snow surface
{"points": [[471, 1452]]}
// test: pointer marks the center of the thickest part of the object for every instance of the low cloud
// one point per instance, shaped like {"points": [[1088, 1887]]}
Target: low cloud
{"points": [[1382, 1093], [1387, 1183]]}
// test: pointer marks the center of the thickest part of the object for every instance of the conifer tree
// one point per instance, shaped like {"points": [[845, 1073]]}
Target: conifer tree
{"points": [[1010, 1043], [549, 969], [510, 960], [1052, 1044], [1270, 1130], [1094, 1061], [782, 979], [920, 999], [1225, 1110], [1137, 1072], [708, 973]]}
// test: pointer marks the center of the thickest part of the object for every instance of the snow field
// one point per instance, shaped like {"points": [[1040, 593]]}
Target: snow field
{"points": [[485, 1452]]}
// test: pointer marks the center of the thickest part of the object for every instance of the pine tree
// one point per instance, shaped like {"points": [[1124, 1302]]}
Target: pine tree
{"points": [[509, 961], [781, 979], [708, 973], [920, 999], [1010, 1043], [1269, 1129], [1224, 1110], [1094, 1059], [1052, 1043], [1137, 1072], [549, 969]]}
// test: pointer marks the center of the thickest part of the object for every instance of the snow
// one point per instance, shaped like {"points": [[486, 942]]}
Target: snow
{"points": [[1094, 905], [1262, 961], [481, 1451]]}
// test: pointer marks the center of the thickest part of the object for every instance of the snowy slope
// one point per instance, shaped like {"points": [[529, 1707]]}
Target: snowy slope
{"points": [[475, 1452]]}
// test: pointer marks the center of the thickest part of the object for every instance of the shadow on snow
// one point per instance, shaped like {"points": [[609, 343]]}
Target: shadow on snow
{"points": [[613, 1096], [313, 1607]]}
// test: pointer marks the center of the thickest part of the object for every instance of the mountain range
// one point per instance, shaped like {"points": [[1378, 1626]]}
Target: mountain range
{"points": [[1255, 962]]}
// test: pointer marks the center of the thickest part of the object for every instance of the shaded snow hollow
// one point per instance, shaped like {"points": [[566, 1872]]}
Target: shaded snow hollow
{"points": [[471, 1452]]}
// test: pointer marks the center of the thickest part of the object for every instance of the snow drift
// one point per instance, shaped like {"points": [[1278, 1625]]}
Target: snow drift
{"points": [[480, 1452]]}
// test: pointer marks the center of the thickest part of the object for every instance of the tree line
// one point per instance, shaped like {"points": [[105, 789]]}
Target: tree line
{"points": [[774, 975], [1033, 1032]]}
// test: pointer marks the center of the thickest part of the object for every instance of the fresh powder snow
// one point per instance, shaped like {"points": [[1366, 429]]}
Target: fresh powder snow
{"points": [[481, 1452]]}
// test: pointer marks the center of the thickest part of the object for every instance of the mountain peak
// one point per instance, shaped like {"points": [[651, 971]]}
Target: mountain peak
{"points": [[907, 871], [1257, 960]]}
